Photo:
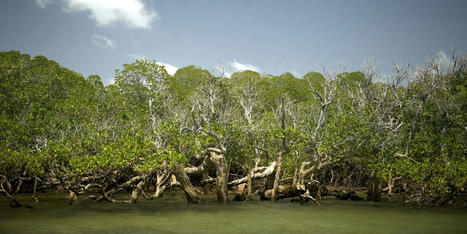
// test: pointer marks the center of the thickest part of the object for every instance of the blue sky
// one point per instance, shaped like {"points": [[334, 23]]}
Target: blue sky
{"points": [[272, 37]]}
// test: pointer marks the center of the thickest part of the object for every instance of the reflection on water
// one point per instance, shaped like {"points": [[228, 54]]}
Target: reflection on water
{"points": [[171, 214]]}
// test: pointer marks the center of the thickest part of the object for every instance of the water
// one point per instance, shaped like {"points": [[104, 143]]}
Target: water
{"points": [[171, 214]]}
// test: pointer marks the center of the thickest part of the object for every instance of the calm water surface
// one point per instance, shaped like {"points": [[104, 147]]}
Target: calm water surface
{"points": [[171, 214]]}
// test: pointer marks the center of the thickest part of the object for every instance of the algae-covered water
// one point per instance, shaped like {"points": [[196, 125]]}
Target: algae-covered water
{"points": [[171, 214]]}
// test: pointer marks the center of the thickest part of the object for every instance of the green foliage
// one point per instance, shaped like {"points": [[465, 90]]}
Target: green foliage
{"points": [[186, 80], [52, 117]]}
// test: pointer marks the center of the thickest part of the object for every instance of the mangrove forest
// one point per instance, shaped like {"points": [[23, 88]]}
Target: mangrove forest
{"points": [[246, 136]]}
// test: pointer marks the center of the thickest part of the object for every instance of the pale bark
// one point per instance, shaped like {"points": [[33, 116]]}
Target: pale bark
{"points": [[390, 186], [34, 190], [203, 168], [134, 196], [161, 183], [305, 173], [222, 176], [249, 184], [190, 192], [285, 149], [277, 177], [296, 171], [264, 172], [72, 198]]}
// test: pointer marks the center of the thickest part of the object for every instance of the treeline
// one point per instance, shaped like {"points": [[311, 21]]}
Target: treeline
{"points": [[278, 136]]}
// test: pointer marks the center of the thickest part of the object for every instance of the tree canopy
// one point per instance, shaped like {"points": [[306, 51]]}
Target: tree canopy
{"points": [[149, 128]]}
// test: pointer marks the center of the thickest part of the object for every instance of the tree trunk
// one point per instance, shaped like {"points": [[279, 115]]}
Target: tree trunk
{"points": [[302, 174], [295, 174], [222, 176], [34, 190], [159, 190], [374, 189], [161, 183], [133, 197], [249, 184], [222, 180], [190, 192], [390, 186], [332, 177], [404, 192], [72, 198], [240, 196], [277, 177]]}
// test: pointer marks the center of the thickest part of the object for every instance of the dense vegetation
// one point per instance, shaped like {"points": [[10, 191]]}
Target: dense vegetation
{"points": [[278, 136]]}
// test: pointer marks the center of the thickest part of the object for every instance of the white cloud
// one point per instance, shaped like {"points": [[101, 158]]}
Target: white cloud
{"points": [[102, 41], [228, 69], [296, 74], [43, 3], [243, 67], [133, 13], [171, 69]]}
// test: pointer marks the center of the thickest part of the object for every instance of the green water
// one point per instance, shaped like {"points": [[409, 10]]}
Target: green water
{"points": [[172, 215]]}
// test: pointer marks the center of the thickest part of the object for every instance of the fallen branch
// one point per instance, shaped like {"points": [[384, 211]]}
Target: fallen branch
{"points": [[268, 171]]}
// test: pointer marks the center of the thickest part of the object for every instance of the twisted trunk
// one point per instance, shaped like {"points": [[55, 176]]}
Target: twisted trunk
{"points": [[306, 172], [190, 192], [222, 176]]}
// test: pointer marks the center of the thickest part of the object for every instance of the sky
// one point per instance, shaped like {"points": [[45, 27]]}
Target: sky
{"points": [[268, 36]]}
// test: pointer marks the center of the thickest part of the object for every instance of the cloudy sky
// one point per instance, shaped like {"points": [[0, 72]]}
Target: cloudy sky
{"points": [[273, 37]]}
